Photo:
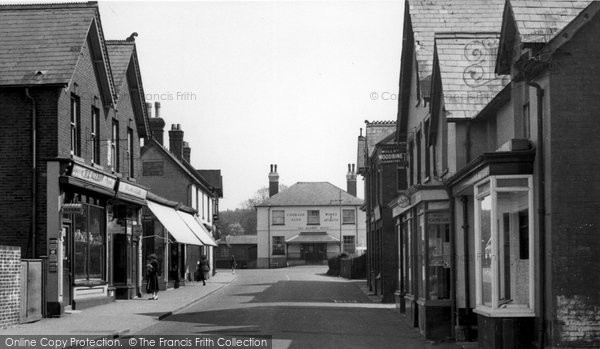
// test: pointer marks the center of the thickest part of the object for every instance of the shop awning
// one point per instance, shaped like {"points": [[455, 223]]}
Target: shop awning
{"points": [[201, 232], [174, 223], [312, 237]]}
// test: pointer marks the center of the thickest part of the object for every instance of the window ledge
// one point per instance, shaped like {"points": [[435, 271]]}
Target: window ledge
{"points": [[504, 312]]}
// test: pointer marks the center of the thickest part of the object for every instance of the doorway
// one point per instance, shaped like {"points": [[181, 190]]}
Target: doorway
{"points": [[66, 256], [313, 253]]}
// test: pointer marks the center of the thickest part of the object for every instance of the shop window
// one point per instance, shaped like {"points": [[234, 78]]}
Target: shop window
{"points": [[349, 245], [313, 217], [348, 216], [89, 244], [278, 217], [438, 235], [278, 246], [408, 253], [504, 236]]}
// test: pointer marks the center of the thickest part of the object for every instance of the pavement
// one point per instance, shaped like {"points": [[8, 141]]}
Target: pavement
{"points": [[124, 316]]}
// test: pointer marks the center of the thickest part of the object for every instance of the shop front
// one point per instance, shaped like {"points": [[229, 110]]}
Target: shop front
{"points": [[423, 224], [84, 195], [501, 188], [124, 232]]}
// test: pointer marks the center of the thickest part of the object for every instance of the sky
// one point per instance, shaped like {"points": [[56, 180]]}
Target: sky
{"points": [[267, 82]]}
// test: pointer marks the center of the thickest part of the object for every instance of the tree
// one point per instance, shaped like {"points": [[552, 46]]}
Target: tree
{"points": [[260, 196], [242, 221]]}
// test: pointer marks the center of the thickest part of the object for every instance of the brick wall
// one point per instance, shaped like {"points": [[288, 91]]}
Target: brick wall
{"points": [[10, 285], [574, 150]]}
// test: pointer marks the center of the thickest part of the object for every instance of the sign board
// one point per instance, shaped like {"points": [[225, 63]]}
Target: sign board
{"points": [[93, 176], [53, 255], [438, 218], [72, 209], [403, 200], [133, 190]]}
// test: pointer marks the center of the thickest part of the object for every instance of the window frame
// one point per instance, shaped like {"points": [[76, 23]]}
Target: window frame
{"points": [[280, 251], [273, 217], [95, 135], [130, 153], [344, 222], [497, 307], [353, 244], [308, 217], [114, 146], [75, 125]]}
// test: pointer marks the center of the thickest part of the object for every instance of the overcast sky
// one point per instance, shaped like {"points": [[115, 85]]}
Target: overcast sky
{"points": [[260, 83]]}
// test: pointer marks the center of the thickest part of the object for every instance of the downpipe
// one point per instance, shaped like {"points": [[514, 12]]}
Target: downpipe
{"points": [[541, 331], [33, 236]]}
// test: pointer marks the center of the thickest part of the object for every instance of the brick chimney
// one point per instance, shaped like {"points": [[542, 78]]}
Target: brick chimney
{"points": [[351, 180], [157, 125], [187, 152], [273, 181], [176, 141]]}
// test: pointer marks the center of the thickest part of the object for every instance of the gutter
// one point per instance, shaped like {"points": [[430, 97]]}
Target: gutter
{"points": [[541, 211], [33, 172]]}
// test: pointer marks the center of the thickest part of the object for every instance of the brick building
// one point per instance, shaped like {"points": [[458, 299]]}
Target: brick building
{"points": [[170, 175], [497, 108], [307, 223], [381, 163], [68, 177]]}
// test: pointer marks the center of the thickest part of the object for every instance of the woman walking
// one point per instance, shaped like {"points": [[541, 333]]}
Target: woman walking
{"points": [[233, 263], [152, 277], [204, 269]]}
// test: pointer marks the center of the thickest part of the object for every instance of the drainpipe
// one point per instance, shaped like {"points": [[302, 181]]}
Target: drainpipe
{"points": [[541, 211], [269, 233], [33, 171], [453, 311]]}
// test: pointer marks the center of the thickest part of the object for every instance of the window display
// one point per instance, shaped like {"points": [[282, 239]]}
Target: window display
{"points": [[504, 235]]}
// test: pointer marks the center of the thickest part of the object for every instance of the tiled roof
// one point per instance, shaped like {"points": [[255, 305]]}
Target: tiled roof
{"points": [[312, 194], [466, 62], [429, 17], [538, 21], [213, 178], [45, 38], [119, 53], [377, 131]]}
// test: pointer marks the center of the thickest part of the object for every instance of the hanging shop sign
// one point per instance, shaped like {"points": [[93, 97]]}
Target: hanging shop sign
{"points": [[72, 209], [93, 176]]}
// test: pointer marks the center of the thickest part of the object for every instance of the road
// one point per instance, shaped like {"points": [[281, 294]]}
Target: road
{"points": [[300, 307]]}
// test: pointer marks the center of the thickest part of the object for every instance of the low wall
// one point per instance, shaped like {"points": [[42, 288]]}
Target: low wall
{"points": [[10, 285]]}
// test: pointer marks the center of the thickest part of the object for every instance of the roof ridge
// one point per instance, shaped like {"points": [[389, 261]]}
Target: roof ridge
{"points": [[38, 6], [380, 122]]}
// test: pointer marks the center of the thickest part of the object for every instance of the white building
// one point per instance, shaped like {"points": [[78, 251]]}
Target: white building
{"points": [[309, 223]]}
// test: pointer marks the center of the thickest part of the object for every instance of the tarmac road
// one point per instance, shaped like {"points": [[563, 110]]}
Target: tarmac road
{"points": [[300, 307]]}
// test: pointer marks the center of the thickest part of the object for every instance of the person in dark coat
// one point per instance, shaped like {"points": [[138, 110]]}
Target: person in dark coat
{"points": [[233, 263], [152, 276], [204, 267]]}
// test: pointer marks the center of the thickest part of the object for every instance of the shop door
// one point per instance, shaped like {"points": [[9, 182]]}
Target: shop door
{"points": [[119, 259], [67, 275]]}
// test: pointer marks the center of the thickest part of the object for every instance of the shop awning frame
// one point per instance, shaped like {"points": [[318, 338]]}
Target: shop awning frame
{"points": [[199, 230], [173, 222]]}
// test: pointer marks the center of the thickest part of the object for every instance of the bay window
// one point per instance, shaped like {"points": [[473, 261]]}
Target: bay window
{"points": [[504, 246]]}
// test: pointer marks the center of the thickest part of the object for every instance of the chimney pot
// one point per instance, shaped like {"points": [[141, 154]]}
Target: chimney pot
{"points": [[187, 152], [351, 180], [273, 181], [149, 109], [157, 109], [176, 141]]}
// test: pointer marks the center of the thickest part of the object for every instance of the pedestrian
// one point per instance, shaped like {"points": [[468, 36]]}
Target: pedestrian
{"points": [[233, 264], [204, 269], [152, 277]]}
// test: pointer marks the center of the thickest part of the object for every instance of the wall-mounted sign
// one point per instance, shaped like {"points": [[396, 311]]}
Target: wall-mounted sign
{"points": [[133, 190], [403, 200], [93, 176], [438, 218], [72, 209]]}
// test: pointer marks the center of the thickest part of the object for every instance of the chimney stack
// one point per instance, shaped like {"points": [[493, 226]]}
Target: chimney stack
{"points": [[187, 152], [351, 180], [157, 124], [176, 141], [273, 181]]}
